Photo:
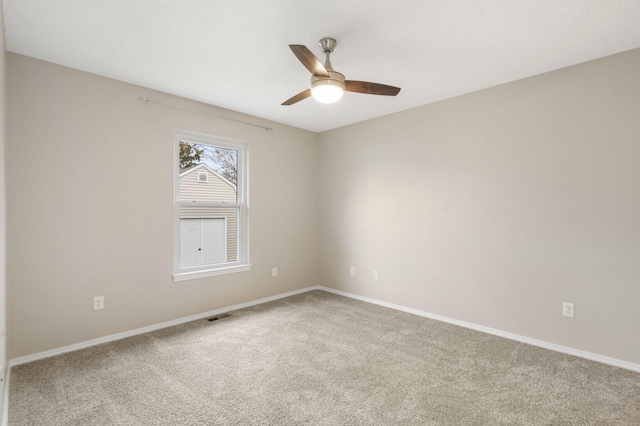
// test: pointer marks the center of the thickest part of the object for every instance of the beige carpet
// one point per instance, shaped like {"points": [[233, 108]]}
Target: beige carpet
{"points": [[320, 359]]}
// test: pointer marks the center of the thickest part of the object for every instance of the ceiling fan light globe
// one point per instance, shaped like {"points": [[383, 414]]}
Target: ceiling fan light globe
{"points": [[328, 89], [327, 93]]}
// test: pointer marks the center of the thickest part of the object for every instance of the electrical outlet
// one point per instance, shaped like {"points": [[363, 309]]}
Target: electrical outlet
{"points": [[567, 309], [274, 272], [375, 275], [353, 270], [98, 303]]}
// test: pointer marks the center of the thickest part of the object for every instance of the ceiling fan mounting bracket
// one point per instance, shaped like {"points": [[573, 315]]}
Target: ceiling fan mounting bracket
{"points": [[327, 44]]}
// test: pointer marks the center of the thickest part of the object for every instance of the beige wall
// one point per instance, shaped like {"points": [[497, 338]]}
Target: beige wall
{"points": [[90, 199], [497, 206], [491, 208]]}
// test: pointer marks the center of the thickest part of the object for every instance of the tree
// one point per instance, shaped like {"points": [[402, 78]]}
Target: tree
{"points": [[225, 162], [190, 155]]}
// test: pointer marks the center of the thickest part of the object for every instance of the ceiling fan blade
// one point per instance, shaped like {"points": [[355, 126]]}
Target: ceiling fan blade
{"points": [[370, 88], [309, 60], [297, 98]]}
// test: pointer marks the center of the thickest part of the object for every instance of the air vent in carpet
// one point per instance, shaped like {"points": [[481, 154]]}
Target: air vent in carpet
{"points": [[218, 317]]}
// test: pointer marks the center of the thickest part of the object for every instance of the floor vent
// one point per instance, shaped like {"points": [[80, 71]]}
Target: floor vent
{"points": [[218, 317]]}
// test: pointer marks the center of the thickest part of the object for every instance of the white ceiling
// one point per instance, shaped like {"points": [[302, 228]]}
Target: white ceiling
{"points": [[235, 54]]}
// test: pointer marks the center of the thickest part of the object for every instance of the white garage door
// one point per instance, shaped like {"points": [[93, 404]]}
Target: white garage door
{"points": [[202, 242]]}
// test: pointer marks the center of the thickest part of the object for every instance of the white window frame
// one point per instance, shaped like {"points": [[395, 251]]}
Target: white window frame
{"points": [[242, 263]]}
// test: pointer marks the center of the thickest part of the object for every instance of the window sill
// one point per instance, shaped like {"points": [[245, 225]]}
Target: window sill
{"points": [[185, 276]]}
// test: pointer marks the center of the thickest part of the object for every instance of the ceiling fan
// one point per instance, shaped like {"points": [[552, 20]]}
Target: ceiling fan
{"points": [[328, 85]]}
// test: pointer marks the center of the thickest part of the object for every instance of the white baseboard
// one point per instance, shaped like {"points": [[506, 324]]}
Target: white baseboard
{"points": [[118, 336], [535, 342]]}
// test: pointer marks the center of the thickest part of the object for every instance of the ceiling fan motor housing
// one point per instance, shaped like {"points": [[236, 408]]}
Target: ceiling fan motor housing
{"points": [[335, 79]]}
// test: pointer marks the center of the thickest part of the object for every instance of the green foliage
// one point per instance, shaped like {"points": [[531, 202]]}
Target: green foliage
{"points": [[223, 160], [190, 155]]}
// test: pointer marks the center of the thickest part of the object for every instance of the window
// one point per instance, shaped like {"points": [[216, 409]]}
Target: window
{"points": [[210, 221]]}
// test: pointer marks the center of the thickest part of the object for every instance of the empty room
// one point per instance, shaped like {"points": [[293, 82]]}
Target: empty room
{"points": [[333, 213]]}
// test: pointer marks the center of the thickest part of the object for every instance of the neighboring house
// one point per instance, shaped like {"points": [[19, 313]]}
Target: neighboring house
{"points": [[207, 234]]}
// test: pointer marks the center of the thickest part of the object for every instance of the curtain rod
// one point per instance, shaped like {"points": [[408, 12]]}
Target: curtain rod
{"points": [[149, 100]]}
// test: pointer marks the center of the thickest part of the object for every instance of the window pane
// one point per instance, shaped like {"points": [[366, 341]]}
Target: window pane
{"points": [[207, 173], [208, 235], [211, 214]]}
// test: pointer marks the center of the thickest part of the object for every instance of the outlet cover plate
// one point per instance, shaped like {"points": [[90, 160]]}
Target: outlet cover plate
{"points": [[568, 309], [98, 303]]}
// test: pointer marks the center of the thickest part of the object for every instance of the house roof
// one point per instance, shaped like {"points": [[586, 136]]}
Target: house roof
{"points": [[200, 167]]}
